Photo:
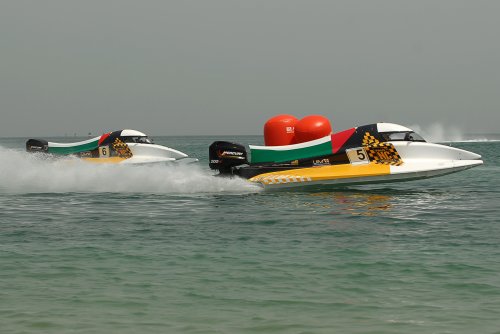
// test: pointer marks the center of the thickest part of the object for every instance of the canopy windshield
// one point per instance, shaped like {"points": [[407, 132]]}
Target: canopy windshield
{"points": [[137, 139], [402, 136]]}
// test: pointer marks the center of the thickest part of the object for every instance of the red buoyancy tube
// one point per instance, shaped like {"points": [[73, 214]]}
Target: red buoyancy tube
{"points": [[312, 127], [280, 130]]}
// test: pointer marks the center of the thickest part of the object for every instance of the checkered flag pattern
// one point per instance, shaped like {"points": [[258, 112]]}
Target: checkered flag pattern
{"points": [[381, 153]]}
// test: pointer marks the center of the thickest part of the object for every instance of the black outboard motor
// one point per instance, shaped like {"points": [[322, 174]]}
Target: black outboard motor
{"points": [[37, 145], [224, 156]]}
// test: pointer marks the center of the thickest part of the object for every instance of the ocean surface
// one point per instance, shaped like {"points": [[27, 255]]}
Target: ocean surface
{"points": [[109, 249]]}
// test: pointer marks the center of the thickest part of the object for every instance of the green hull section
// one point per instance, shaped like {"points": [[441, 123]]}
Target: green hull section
{"points": [[269, 155], [65, 150]]}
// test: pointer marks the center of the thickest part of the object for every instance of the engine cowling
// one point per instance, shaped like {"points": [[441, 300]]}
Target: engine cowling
{"points": [[37, 145], [224, 156]]}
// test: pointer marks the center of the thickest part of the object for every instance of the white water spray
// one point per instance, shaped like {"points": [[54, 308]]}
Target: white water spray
{"points": [[22, 172], [437, 133]]}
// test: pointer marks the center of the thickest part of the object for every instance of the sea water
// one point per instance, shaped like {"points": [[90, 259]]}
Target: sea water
{"points": [[110, 249]]}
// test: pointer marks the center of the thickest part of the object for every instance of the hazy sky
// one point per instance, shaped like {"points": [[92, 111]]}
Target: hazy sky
{"points": [[224, 67]]}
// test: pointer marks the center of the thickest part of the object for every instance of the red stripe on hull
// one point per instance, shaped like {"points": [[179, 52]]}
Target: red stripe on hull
{"points": [[339, 139]]}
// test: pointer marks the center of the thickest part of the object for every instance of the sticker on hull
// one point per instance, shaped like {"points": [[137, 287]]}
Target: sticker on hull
{"points": [[122, 149], [280, 179], [381, 153], [357, 156]]}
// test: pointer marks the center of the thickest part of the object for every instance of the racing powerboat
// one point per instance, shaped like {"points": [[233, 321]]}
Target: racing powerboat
{"points": [[375, 153], [122, 146]]}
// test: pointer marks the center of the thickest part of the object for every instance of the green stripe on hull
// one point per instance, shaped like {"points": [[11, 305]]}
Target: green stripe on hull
{"points": [[270, 155], [62, 150]]}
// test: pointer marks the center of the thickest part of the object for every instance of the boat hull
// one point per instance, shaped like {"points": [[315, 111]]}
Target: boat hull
{"points": [[374, 153], [127, 147], [143, 154], [350, 175], [417, 161]]}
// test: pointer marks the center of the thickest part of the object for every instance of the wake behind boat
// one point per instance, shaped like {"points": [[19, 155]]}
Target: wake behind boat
{"points": [[122, 146], [375, 153]]}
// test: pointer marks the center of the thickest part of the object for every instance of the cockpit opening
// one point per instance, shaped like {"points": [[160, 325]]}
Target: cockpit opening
{"points": [[402, 136], [137, 139]]}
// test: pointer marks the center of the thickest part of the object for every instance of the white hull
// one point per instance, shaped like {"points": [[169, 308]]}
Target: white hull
{"points": [[129, 147], [154, 154], [420, 161], [408, 173]]}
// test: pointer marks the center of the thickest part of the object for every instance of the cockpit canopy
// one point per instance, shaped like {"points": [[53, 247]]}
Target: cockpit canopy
{"points": [[137, 139], [396, 132], [134, 136], [402, 136]]}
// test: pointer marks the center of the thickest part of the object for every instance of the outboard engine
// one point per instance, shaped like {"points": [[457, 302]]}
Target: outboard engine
{"points": [[37, 145], [224, 156]]}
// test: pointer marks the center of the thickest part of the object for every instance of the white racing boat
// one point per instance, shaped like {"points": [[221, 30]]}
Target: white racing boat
{"points": [[123, 147], [382, 152]]}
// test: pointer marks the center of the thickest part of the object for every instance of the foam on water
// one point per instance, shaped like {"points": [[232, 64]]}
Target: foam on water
{"points": [[438, 133], [21, 172], [478, 140]]}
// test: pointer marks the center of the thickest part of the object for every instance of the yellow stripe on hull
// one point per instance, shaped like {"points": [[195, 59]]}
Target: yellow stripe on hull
{"points": [[322, 173], [111, 160]]}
